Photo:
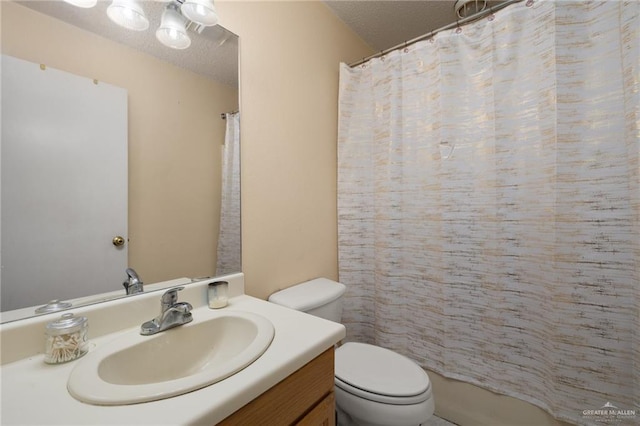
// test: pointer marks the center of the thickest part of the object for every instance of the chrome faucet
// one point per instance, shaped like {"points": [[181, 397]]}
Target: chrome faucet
{"points": [[133, 284], [172, 314]]}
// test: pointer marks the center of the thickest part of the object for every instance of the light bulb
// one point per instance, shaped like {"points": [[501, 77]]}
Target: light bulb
{"points": [[201, 12], [172, 31], [128, 14]]}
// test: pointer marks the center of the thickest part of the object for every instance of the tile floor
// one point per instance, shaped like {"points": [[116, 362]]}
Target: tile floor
{"points": [[437, 421]]}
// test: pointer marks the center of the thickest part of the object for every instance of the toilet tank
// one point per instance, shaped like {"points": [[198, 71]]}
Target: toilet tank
{"points": [[320, 297]]}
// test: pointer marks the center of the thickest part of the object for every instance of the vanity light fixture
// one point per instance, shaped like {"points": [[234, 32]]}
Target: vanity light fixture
{"points": [[178, 15], [82, 3], [201, 12], [173, 28], [128, 14]]}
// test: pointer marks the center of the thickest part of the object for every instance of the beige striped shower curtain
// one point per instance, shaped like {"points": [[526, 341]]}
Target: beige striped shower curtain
{"points": [[489, 204]]}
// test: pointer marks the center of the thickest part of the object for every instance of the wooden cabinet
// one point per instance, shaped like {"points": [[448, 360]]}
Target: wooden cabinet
{"points": [[305, 398], [323, 414]]}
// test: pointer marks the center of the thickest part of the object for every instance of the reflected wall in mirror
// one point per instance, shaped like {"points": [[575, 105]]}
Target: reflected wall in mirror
{"points": [[176, 135]]}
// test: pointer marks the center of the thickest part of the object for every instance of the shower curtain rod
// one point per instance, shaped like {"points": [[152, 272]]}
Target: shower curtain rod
{"points": [[430, 34]]}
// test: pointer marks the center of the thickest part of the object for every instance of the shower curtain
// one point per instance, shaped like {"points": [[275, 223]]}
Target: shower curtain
{"points": [[229, 253], [489, 205]]}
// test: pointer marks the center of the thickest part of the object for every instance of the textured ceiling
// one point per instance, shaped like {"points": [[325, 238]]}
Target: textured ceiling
{"points": [[213, 53], [385, 24]]}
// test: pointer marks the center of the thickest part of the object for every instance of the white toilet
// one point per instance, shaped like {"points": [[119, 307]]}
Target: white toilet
{"points": [[374, 386]]}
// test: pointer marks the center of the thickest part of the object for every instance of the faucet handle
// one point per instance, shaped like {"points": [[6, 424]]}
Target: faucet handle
{"points": [[170, 296]]}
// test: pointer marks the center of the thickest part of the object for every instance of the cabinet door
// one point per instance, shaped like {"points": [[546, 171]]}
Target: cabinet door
{"points": [[293, 400]]}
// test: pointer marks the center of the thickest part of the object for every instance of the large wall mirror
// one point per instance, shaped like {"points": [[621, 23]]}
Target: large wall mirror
{"points": [[180, 172]]}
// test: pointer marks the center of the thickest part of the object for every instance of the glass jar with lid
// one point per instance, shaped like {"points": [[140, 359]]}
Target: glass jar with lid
{"points": [[66, 339]]}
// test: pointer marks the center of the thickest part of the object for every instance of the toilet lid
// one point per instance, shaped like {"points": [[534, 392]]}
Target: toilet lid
{"points": [[380, 371], [309, 295]]}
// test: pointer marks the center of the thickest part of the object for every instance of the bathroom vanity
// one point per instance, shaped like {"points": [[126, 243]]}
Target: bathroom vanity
{"points": [[304, 398], [290, 383]]}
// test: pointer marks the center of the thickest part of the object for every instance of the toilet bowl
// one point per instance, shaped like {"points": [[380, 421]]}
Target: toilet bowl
{"points": [[374, 386]]}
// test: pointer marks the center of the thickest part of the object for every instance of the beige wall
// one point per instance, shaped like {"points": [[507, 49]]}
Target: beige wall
{"points": [[175, 139], [289, 57]]}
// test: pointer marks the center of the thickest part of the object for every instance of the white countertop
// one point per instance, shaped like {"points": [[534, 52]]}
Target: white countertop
{"points": [[35, 393]]}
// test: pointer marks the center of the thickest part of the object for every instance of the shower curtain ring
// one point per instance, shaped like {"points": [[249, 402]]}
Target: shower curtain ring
{"points": [[458, 29], [492, 16]]}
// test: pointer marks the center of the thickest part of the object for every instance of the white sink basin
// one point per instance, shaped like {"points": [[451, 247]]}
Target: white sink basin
{"points": [[135, 368]]}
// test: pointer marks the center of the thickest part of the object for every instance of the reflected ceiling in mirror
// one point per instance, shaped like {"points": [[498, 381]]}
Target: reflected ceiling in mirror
{"points": [[213, 51]]}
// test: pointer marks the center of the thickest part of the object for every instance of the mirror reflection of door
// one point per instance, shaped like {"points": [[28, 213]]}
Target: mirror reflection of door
{"points": [[64, 184]]}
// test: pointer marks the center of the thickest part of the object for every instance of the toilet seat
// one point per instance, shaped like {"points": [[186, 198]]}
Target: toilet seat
{"points": [[383, 399], [380, 375]]}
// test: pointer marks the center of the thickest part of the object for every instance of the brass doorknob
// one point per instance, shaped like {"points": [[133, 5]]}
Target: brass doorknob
{"points": [[118, 241]]}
